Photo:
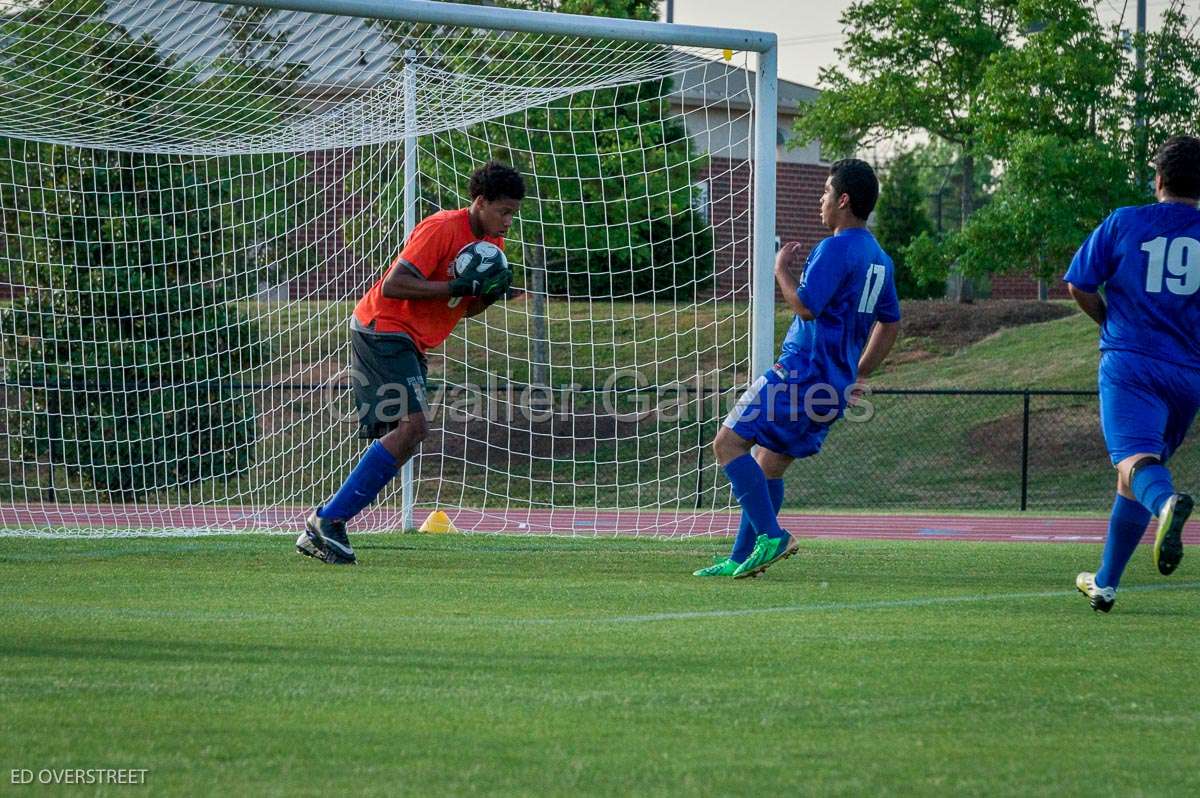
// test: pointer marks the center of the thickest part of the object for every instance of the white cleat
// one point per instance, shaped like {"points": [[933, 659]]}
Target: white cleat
{"points": [[1101, 598]]}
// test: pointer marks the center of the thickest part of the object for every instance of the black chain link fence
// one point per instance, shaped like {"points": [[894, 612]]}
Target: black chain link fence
{"points": [[997, 450], [920, 450]]}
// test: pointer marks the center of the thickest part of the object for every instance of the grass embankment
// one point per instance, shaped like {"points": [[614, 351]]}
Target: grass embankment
{"points": [[1058, 354]]}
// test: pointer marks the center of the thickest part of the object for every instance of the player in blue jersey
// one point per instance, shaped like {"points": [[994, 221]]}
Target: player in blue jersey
{"points": [[1147, 258], [847, 318]]}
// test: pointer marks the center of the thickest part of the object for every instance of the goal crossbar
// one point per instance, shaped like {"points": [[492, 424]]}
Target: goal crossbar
{"points": [[518, 20]]}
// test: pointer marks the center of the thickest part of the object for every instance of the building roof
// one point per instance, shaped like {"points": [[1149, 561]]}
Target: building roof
{"points": [[352, 54], [698, 85]]}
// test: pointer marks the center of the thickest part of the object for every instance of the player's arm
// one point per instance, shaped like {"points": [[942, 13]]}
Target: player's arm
{"points": [[883, 337], [1090, 302], [884, 332], [787, 283], [412, 273], [404, 281], [1092, 266], [403, 284]]}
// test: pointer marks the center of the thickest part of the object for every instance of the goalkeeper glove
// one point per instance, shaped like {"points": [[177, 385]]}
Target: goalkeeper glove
{"points": [[481, 287], [498, 288]]}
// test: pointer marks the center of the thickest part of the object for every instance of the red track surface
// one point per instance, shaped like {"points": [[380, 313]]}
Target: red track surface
{"points": [[129, 519]]}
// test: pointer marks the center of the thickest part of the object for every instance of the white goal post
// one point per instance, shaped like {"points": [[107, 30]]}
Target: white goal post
{"points": [[195, 193]]}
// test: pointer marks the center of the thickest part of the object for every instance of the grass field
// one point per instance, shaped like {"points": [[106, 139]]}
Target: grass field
{"points": [[459, 665]]}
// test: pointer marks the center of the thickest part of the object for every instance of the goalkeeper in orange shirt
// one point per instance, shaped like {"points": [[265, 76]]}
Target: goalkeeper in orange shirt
{"points": [[411, 310]]}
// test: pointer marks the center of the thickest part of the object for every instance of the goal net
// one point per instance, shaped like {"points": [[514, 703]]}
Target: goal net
{"points": [[195, 195]]}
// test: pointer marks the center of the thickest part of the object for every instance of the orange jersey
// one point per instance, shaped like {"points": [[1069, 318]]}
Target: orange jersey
{"points": [[428, 253]]}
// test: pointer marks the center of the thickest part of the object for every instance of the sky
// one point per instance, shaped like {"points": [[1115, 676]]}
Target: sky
{"points": [[809, 31]]}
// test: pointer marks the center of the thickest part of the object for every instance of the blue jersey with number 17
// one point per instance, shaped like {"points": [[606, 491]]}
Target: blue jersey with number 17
{"points": [[1148, 260], [848, 284]]}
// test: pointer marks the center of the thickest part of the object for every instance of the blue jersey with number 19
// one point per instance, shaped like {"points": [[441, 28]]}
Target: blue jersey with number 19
{"points": [[1148, 260], [848, 283]]}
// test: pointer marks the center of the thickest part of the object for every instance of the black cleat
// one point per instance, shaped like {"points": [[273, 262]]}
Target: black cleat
{"points": [[1168, 543], [325, 539]]}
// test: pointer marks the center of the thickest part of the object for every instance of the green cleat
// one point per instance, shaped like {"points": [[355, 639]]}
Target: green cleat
{"points": [[722, 566], [767, 551]]}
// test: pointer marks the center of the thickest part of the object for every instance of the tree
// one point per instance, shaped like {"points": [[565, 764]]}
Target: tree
{"points": [[1060, 114], [128, 342], [911, 67], [1046, 101], [1053, 193], [900, 216], [940, 180], [1164, 99], [1060, 78], [1041, 86]]}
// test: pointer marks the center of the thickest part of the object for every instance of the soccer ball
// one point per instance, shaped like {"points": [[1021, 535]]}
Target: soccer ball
{"points": [[478, 260]]}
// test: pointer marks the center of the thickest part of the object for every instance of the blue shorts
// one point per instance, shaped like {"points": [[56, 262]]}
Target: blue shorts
{"points": [[1146, 404], [774, 413]]}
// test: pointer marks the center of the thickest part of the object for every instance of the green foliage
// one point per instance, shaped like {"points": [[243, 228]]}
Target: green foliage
{"points": [[900, 217], [939, 173], [913, 66], [1041, 86], [1165, 98], [910, 66], [1059, 81], [1053, 194], [127, 336]]}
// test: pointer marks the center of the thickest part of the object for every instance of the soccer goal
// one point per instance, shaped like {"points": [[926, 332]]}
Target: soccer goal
{"points": [[195, 194]]}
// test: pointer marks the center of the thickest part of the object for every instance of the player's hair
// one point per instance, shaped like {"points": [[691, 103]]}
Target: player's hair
{"points": [[494, 181], [856, 178], [1178, 163]]}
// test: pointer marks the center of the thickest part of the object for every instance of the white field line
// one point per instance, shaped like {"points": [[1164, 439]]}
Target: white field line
{"points": [[253, 616], [881, 604]]}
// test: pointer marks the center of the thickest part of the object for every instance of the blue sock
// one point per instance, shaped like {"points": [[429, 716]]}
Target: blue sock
{"points": [[750, 488], [1152, 485], [1125, 529], [744, 543], [374, 470]]}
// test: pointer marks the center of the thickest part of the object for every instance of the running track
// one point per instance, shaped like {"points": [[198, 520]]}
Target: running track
{"points": [[129, 520]]}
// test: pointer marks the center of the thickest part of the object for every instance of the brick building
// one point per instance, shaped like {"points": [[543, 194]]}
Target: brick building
{"points": [[715, 102], [1012, 286]]}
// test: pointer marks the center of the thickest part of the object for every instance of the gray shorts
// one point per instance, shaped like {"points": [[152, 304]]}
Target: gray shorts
{"points": [[388, 375]]}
